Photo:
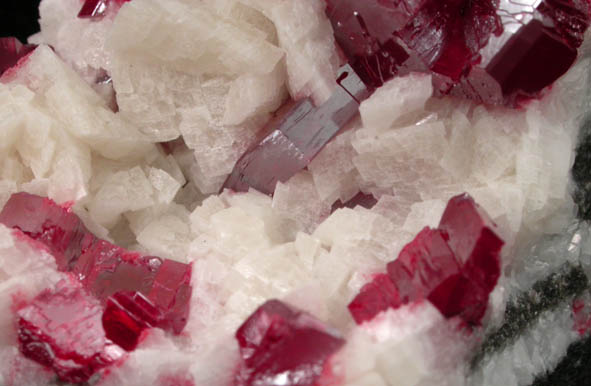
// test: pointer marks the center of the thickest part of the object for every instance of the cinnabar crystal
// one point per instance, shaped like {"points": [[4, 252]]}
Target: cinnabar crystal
{"points": [[283, 346]]}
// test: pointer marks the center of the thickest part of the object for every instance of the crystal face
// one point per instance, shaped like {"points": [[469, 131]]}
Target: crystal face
{"points": [[283, 346], [96, 9], [297, 136], [455, 267], [11, 51], [107, 271], [62, 331], [490, 51]]}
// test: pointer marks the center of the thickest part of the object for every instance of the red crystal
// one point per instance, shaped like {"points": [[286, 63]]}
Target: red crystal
{"points": [[126, 316], [62, 330], [283, 346], [376, 296], [455, 267], [366, 201], [43, 220], [296, 137], [104, 269], [383, 39], [11, 51], [96, 9]]}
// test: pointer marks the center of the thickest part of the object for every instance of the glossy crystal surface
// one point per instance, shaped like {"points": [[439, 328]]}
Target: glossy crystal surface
{"points": [[96, 9], [293, 139], [455, 267], [283, 346], [62, 330], [490, 51]]}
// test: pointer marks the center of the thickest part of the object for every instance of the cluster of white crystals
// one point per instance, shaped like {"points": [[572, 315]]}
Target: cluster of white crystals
{"points": [[207, 75]]}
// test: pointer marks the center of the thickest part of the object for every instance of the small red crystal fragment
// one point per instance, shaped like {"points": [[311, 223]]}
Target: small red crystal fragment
{"points": [[62, 330], [126, 316], [283, 346], [455, 267], [376, 296], [294, 139], [581, 316], [11, 51], [96, 9], [366, 201], [43, 220]]}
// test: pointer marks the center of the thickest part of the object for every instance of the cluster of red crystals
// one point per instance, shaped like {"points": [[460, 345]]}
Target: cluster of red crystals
{"points": [[62, 330], [455, 267], [139, 291], [283, 346], [292, 140], [11, 51], [96, 9], [383, 39]]}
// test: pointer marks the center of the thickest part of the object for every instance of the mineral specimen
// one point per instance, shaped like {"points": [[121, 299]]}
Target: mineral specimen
{"points": [[62, 330], [283, 346], [96, 9], [455, 267], [104, 269], [294, 139], [486, 50]]}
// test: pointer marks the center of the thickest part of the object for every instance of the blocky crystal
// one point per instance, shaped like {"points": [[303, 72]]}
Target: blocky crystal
{"points": [[491, 51], [96, 9], [455, 267], [296, 136], [126, 316], [11, 51], [62, 330], [374, 297], [283, 346], [42, 219], [104, 269]]}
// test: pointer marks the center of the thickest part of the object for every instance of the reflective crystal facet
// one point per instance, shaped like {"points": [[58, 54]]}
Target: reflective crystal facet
{"points": [[96, 9], [491, 51], [455, 267], [11, 51], [62, 330], [283, 346], [103, 268], [296, 136]]}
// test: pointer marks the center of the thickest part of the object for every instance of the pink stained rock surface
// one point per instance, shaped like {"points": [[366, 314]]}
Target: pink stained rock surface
{"points": [[11, 51], [455, 267], [104, 269], [383, 39], [62, 330], [96, 9], [283, 346], [296, 136]]}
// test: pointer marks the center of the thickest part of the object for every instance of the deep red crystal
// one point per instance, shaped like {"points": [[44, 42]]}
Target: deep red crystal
{"points": [[283, 346], [104, 269], [383, 39], [11, 51], [455, 267], [292, 140], [376, 296], [126, 316], [96, 9], [366, 201], [62, 330], [43, 220]]}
